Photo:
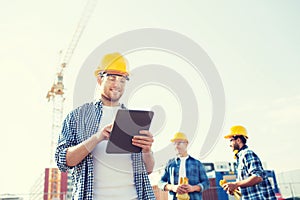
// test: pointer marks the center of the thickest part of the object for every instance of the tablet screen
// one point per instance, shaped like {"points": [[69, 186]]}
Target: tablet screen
{"points": [[127, 124]]}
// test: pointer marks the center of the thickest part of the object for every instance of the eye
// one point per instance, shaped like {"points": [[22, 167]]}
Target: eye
{"points": [[111, 78]]}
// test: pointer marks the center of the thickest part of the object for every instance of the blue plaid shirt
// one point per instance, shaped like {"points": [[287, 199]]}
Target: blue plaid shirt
{"points": [[249, 164], [78, 126], [195, 172]]}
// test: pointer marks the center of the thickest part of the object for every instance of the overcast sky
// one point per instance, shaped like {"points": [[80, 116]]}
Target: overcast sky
{"points": [[254, 45]]}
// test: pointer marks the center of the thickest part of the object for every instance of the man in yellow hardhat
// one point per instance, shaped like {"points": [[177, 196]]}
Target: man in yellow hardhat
{"points": [[184, 177], [251, 178], [83, 140], [112, 69]]}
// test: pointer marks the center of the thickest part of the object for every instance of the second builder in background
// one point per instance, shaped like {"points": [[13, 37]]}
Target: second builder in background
{"points": [[183, 175]]}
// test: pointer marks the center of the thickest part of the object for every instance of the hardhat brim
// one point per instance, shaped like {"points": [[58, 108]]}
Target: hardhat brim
{"points": [[230, 136], [97, 72]]}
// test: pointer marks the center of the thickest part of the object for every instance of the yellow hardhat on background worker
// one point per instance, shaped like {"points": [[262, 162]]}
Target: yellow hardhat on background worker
{"points": [[113, 63], [237, 130], [179, 136]]}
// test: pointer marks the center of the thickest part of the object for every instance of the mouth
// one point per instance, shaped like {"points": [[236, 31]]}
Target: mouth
{"points": [[115, 91]]}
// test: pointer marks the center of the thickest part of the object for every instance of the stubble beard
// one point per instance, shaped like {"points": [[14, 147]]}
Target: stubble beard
{"points": [[113, 99], [236, 147]]}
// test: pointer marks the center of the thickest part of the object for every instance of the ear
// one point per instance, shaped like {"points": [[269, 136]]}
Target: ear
{"points": [[99, 80], [239, 141]]}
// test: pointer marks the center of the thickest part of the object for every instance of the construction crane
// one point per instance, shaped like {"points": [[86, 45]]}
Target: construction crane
{"points": [[56, 95]]}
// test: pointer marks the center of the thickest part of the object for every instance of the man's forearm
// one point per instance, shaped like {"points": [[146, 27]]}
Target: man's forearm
{"points": [[169, 187], [252, 180], [77, 153], [149, 161]]}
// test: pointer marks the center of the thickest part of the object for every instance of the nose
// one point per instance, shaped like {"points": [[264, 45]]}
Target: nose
{"points": [[176, 147], [117, 84]]}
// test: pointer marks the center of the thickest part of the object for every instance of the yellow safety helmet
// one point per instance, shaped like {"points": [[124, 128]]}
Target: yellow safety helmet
{"points": [[237, 130], [179, 136], [113, 63]]}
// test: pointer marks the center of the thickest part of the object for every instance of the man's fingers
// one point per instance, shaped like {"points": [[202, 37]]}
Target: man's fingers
{"points": [[146, 133]]}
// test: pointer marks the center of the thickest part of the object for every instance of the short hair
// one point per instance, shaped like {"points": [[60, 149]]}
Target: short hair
{"points": [[243, 139]]}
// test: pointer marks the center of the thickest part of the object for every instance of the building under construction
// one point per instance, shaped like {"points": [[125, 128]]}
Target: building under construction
{"points": [[52, 185]]}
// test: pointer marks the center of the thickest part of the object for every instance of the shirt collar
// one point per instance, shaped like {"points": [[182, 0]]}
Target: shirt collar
{"points": [[238, 153], [178, 158], [98, 103]]}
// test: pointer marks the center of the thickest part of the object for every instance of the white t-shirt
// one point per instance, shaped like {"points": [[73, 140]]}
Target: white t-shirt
{"points": [[113, 173], [182, 169]]}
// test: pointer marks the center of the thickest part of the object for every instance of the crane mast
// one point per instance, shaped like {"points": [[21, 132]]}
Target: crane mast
{"points": [[56, 95]]}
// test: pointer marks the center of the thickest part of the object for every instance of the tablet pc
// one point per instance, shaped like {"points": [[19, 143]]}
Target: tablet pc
{"points": [[127, 124]]}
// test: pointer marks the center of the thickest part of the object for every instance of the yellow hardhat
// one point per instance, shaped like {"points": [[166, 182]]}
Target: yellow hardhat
{"points": [[113, 63], [179, 136], [237, 130]]}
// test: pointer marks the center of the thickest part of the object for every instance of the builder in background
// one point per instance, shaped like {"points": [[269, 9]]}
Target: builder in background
{"points": [[184, 167], [251, 179]]}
